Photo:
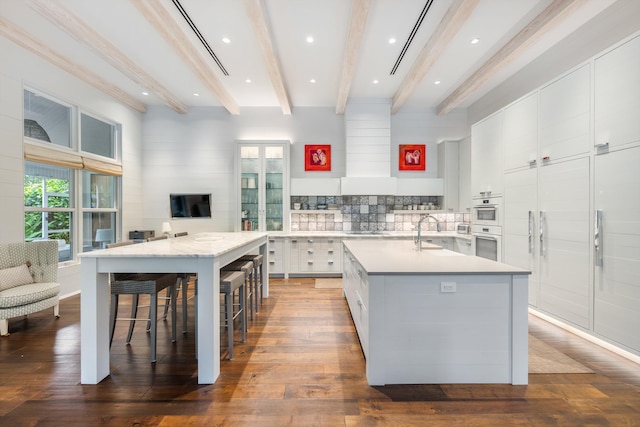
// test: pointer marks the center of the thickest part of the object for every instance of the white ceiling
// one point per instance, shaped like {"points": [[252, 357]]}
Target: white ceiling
{"points": [[494, 22]]}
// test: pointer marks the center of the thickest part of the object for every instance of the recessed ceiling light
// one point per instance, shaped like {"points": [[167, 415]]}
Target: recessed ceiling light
{"points": [[475, 40], [226, 40], [309, 39], [247, 81], [312, 80], [196, 94], [375, 82], [437, 82], [392, 40], [145, 93]]}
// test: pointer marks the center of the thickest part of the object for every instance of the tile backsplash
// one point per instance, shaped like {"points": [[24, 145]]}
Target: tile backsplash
{"points": [[369, 213]]}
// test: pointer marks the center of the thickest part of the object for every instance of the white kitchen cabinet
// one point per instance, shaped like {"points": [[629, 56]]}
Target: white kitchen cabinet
{"points": [[448, 170], [520, 133], [486, 156], [320, 255], [355, 285], [445, 242], [520, 236], [463, 246], [564, 250], [617, 254], [564, 116], [294, 255], [275, 256], [263, 185], [617, 95]]}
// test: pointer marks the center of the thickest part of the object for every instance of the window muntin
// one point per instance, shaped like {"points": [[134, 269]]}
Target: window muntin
{"points": [[46, 120], [99, 210]]}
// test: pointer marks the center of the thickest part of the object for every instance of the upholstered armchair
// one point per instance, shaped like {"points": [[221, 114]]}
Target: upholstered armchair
{"points": [[28, 279]]}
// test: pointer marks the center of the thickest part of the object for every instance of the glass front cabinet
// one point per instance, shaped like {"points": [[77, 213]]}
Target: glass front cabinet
{"points": [[263, 183]]}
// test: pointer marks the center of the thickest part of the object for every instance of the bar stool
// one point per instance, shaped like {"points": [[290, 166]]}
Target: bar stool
{"points": [[230, 281], [257, 277], [247, 268]]}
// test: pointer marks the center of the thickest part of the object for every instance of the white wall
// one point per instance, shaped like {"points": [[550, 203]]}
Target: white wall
{"points": [[19, 68], [195, 152]]}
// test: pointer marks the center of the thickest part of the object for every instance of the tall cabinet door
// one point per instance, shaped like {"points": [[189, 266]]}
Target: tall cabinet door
{"points": [[617, 248], [617, 95], [563, 223], [263, 186], [520, 233]]}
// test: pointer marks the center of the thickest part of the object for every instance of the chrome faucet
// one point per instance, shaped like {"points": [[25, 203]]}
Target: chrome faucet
{"points": [[419, 239]]}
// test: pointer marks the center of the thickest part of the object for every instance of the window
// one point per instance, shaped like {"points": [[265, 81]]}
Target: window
{"points": [[46, 120], [99, 210], [71, 189], [97, 137], [48, 202]]}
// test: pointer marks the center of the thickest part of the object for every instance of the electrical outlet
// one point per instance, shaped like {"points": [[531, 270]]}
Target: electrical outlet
{"points": [[447, 286]]}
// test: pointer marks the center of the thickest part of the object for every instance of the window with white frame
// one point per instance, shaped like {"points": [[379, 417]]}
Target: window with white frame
{"points": [[71, 193]]}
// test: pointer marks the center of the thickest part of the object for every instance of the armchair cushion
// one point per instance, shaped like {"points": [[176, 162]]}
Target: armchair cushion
{"points": [[15, 276], [28, 294]]}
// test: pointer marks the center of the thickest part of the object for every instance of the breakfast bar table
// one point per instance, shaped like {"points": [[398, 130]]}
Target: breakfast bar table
{"points": [[201, 253]]}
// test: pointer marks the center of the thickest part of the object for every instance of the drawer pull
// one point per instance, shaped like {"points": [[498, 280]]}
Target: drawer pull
{"points": [[330, 240], [272, 262], [310, 241], [294, 240], [310, 251], [271, 241], [272, 252], [330, 251], [330, 262], [309, 262]]}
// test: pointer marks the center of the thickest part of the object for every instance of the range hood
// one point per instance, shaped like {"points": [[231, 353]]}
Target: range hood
{"points": [[368, 149]]}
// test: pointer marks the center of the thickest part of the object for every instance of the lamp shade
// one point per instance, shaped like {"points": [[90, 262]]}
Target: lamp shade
{"points": [[104, 235], [166, 228]]}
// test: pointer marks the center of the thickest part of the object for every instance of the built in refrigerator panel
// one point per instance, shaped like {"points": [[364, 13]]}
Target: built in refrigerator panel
{"points": [[617, 279], [565, 252]]}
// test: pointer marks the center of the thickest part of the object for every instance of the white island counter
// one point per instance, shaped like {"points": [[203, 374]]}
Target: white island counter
{"points": [[435, 316], [202, 253]]}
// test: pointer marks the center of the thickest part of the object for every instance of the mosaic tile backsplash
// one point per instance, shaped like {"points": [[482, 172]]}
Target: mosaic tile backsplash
{"points": [[370, 213]]}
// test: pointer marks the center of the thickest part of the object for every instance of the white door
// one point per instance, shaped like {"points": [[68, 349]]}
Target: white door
{"points": [[520, 232], [617, 262], [565, 254]]}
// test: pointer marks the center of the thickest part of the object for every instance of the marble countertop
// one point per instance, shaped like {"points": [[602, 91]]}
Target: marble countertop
{"points": [[402, 258], [197, 245]]}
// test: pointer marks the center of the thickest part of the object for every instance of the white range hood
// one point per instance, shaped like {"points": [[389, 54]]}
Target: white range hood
{"points": [[368, 149]]}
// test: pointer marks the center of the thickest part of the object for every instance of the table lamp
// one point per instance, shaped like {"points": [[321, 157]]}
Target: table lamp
{"points": [[104, 236]]}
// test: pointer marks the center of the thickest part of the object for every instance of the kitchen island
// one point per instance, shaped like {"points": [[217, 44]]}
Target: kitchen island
{"points": [[202, 253], [434, 316]]}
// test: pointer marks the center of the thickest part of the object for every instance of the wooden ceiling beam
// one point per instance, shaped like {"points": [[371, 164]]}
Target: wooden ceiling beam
{"points": [[257, 14], [538, 27], [166, 25], [357, 24], [27, 41], [453, 20], [62, 17]]}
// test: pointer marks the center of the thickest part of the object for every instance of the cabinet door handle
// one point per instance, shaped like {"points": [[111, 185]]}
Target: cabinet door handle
{"points": [[310, 251], [531, 226], [310, 241], [272, 252], [309, 262], [541, 225], [597, 235], [272, 262], [294, 240], [330, 261], [330, 251]]}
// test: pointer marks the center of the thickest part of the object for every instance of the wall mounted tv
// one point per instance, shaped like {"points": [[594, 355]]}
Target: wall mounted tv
{"points": [[190, 205]]}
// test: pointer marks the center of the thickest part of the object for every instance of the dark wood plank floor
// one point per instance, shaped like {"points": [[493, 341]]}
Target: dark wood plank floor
{"points": [[301, 366]]}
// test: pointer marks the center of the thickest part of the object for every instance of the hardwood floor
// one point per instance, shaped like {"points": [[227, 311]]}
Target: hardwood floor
{"points": [[301, 366]]}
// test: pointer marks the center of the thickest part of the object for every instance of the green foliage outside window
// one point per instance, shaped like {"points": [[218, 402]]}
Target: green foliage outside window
{"points": [[57, 191]]}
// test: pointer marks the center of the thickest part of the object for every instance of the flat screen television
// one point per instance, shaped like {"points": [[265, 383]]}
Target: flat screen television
{"points": [[190, 205]]}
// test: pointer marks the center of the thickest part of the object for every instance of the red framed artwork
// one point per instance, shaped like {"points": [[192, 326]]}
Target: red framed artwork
{"points": [[317, 157], [412, 157]]}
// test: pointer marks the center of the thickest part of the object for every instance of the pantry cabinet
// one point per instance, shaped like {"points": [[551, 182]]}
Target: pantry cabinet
{"points": [[520, 133], [617, 96], [486, 156], [617, 247], [263, 185], [564, 116]]}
